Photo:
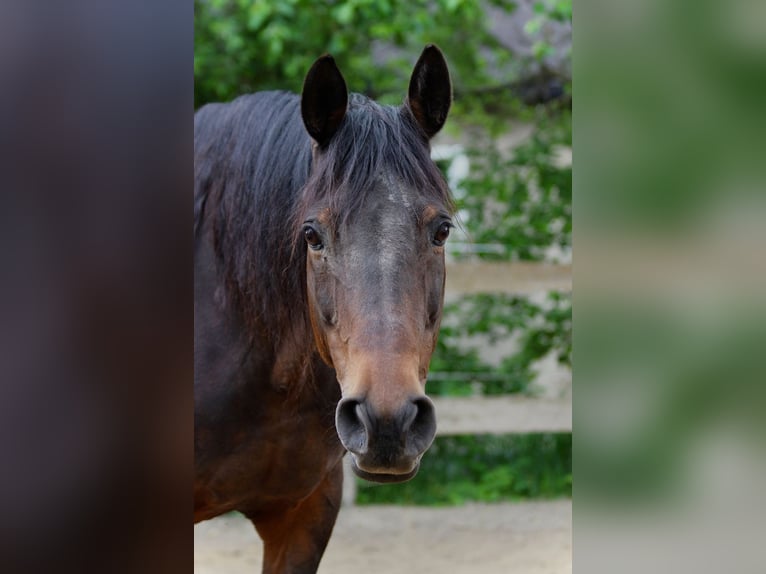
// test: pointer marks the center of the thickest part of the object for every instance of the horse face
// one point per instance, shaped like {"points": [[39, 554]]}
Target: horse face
{"points": [[375, 283], [376, 291]]}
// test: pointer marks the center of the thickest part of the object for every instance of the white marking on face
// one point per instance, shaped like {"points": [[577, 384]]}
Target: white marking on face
{"points": [[388, 250], [393, 221], [403, 195], [387, 254]]}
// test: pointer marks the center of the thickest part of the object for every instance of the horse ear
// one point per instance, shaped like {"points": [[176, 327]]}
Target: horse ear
{"points": [[324, 100], [430, 93]]}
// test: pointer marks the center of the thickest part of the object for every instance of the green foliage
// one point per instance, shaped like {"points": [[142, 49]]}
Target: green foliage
{"points": [[551, 10], [243, 46], [490, 319], [488, 468], [522, 198]]}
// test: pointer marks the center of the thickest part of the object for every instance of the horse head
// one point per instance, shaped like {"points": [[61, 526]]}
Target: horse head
{"points": [[374, 218]]}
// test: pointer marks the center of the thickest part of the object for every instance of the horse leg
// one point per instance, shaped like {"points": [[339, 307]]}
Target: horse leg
{"points": [[294, 541]]}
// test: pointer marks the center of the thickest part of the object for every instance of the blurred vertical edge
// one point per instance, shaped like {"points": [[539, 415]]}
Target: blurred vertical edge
{"points": [[669, 287], [96, 165]]}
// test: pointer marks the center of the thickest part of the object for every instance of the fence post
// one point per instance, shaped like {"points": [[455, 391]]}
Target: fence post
{"points": [[349, 482]]}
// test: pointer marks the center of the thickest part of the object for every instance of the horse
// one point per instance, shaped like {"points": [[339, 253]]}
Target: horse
{"points": [[319, 229]]}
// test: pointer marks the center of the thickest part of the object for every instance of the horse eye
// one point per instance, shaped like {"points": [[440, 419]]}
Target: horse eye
{"points": [[442, 234], [312, 237]]}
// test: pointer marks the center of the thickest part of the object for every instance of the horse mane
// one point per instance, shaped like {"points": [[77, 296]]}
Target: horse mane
{"points": [[252, 156], [254, 182]]}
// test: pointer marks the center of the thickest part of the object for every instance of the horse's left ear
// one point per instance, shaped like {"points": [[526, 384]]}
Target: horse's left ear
{"points": [[324, 100], [430, 93]]}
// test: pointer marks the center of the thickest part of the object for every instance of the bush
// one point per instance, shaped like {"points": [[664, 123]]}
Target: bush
{"points": [[486, 468]]}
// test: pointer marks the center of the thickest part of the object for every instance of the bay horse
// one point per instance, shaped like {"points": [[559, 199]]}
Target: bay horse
{"points": [[319, 230]]}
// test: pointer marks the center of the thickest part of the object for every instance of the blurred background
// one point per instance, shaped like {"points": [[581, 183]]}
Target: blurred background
{"points": [[670, 284], [501, 375], [96, 330]]}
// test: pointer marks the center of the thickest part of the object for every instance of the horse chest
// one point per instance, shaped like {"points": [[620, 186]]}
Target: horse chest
{"points": [[296, 448], [275, 452]]}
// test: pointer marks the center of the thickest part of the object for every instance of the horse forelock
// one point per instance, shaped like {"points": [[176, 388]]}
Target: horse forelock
{"points": [[374, 144]]}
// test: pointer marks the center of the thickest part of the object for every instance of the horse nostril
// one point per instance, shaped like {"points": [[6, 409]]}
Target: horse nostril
{"points": [[406, 435], [422, 429], [351, 426]]}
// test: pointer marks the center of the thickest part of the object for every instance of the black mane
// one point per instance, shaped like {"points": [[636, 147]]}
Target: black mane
{"points": [[253, 183]]}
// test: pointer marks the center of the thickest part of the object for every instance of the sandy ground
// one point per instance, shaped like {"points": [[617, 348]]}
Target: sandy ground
{"points": [[508, 538]]}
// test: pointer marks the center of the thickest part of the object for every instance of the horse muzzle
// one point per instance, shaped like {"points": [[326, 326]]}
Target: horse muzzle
{"points": [[386, 447]]}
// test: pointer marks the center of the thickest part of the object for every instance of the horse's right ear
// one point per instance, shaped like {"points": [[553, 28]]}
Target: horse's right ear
{"points": [[324, 100]]}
